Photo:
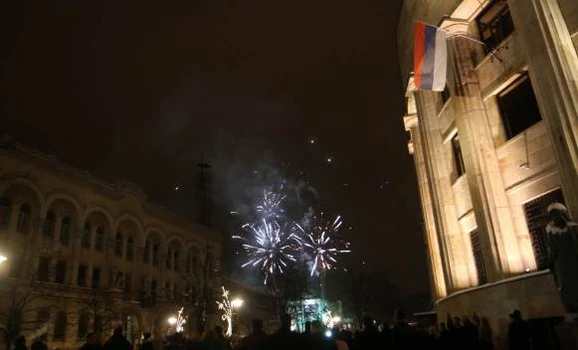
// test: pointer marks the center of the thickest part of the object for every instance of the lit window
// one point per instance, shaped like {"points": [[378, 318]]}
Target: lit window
{"points": [[518, 107]]}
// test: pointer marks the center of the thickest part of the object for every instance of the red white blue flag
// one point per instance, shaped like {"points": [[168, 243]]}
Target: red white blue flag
{"points": [[430, 58]]}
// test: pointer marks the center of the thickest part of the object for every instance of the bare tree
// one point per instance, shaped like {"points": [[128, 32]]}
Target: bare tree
{"points": [[198, 294], [100, 307], [23, 301]]}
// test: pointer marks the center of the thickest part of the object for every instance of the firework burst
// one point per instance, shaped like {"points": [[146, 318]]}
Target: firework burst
{"points": [[271, 247], [270, 206], [320, 243]]}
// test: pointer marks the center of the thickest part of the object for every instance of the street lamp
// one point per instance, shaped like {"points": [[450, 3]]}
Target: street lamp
{"points": [[235, 305], [177, 322]]}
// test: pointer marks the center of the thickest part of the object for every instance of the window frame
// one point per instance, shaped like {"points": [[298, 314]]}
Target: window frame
{"points": [[502, 95], [496, 38]]}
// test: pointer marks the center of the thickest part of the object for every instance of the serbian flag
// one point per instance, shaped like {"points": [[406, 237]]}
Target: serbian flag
{"points": [[430, 57]]}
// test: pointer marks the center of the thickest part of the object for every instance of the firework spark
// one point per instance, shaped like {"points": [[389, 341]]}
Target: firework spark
{"points": [[271, 246], [322, 245], [226, 307], [270, 206]]}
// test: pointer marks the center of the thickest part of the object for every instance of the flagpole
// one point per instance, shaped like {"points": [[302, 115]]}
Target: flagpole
{"points": [[466, 36]]}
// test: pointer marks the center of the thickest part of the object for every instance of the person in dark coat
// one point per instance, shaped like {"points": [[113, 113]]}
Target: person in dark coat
{"points": [[519, 332], [117, 341], [562, 239], [91, 342], [284, 337], [256, 340]]}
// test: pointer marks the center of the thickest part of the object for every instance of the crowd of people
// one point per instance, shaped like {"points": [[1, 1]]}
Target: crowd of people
{"points": [[455, 333]]}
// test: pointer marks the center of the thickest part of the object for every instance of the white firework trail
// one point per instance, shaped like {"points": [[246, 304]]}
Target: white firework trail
{"points": [[270, 206], [321, 244], [270, 247]]}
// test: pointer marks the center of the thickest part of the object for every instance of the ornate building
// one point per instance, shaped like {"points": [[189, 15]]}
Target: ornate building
{"points": [[85, 255], [493, 151]]}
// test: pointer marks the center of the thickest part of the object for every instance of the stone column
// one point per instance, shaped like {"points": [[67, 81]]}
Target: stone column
{"points": [[490, 203], [454, 255], [431, 233], [107, 281], [138, 270], [163, 280], [544, 33], [34, 248], [75, 244]]}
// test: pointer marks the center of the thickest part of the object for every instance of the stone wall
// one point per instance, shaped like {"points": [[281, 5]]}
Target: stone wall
{"points": [[533, 294]]}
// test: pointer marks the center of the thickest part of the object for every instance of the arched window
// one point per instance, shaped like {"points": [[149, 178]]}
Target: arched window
{"points": [[147, 252], [86, 235], [155, 254], [118, 244], [169, 262], [60, 325], [65, 230], [99, 239], [176, 261], [23, 225], [129, 248], [5, 212], [49, 224], [189, 266], [83, 321]]}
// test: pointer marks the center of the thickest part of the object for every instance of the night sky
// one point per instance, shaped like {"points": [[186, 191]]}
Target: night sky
{"points": [[139, 90]]}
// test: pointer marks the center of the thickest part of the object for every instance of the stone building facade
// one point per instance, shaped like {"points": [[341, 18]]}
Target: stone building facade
{"points": [[493, 151], [93, 254]]}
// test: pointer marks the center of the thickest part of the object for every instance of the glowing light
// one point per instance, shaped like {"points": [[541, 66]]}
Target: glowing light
{"points": [[178, 321], [236, 303], [328, 333], [225, 306], [320, 243], [528, 269], [177, 187], [270, 247], [329, 160], [312, 141], [2, 258]]}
